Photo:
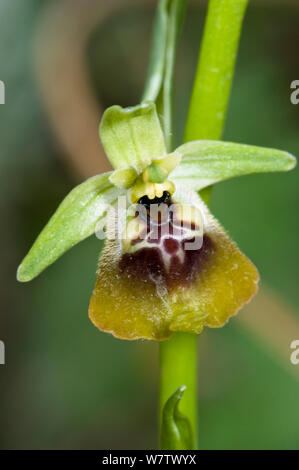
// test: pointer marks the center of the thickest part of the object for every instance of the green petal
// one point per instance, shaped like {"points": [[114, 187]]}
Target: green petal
{"points": [[74, 220], [132, 137], [205, 162], [123, 178]]}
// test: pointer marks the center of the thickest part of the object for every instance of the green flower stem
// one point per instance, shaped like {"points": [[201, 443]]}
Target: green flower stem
{"points": [[178, 366], [208, 106], [215, 69]]}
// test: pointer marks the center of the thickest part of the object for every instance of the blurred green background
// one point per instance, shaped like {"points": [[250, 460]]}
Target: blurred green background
{"points": [[65, 385]]}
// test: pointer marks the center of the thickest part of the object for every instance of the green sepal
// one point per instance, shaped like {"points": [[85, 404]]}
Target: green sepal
{"points": [[176, 432], [205, 162], [132, 137], [74, 220]]}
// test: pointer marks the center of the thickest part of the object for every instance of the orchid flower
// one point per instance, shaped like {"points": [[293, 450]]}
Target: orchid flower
{"points": [[149, 286]]}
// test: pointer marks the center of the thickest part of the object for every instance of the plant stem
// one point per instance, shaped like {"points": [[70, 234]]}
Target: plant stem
{"points": [[206, 117], [178, 367], [214, 74]]}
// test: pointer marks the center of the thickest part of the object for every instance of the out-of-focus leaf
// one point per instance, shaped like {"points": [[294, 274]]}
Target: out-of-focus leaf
{"points": [[160, 80], [158, 51], [74, 220], [175, 21], [176, 432], [167, 25], [132, 137], [205, 162]]}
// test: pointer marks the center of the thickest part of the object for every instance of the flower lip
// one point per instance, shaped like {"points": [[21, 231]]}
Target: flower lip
{"points": [[150, 283]]}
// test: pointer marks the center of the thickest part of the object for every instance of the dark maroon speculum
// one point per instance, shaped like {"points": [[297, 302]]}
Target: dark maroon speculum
{"points": [[169, 245]]}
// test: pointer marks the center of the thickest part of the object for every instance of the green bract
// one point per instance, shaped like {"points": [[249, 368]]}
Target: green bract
{"points": [[176, 432], [134, 143]]}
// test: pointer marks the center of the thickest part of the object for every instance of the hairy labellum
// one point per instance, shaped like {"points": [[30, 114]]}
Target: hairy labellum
{"points": [[171, 270]]}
